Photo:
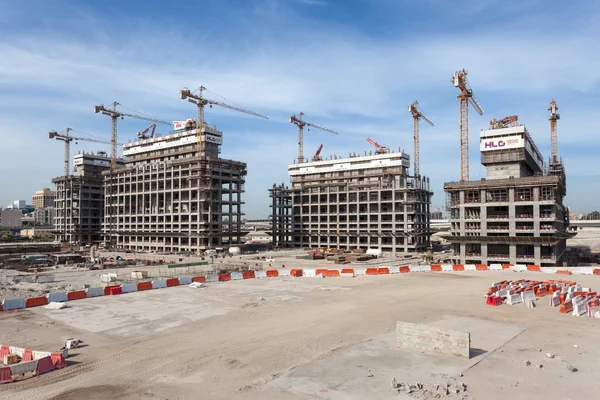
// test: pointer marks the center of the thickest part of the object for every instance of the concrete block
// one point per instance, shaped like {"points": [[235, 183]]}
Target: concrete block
{"points": [[57, 297], [360, 271], [394, 270], [263, 274], [45, 278], [24, 367], [159, 284], [186, 280], [128, 288], [94, 292], [470, 267], [281, 271], [426, 338], [447, 267], [513, 299], [13, 304]]}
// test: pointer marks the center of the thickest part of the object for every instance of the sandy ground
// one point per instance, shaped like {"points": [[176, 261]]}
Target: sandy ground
{"points": [[306, 338]]}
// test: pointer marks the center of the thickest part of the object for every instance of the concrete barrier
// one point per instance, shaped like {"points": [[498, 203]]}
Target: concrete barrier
{"points": [[447, 267], [426, 338], [185, 280], [283, 272], [212, 278], [128, 288], [394, 270], [13, 304], [94, 292], [23, 367], [45, 278], [57, 297], [160, 284]]}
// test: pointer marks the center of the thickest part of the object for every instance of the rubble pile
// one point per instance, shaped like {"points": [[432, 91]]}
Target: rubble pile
{"points": [[431, 391]]}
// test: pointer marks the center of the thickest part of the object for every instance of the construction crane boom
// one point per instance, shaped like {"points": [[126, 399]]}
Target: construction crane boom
{"points": [[301, 123], [317, 156], [142, 134], [554, 117], [465, 96], [413, 108], [68, 139], [380, 148], [114, 115]]}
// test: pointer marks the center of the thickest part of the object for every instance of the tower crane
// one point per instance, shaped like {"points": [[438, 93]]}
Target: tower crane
{"points": [[317, 156], [68, 139], [142, 134], [413, 108], [114, 116], [465, 96], [301, 123], [380, 148], [554, 117]]}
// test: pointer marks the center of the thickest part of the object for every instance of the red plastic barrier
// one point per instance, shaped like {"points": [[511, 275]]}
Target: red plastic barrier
{"points": [[107, 289], [436, 267], [77, 295], [172, 282], [347, 271], [596, 272], [58, 360], [4, 350], [224, 277], [383, 271], [321, 272], [333, 273], [272, 273], [250, 274], [404, 269], [506, 266], [36, 301], [533, 268], [372, 271], [295, 273], [481, 267], [115, 290], [27, 356], [144, 286], [44, 365], [200, 279], [458, 267], [5, 375]]}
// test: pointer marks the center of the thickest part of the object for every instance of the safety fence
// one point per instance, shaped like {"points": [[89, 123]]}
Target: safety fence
{"points": [[30, 363], [147, 284]]}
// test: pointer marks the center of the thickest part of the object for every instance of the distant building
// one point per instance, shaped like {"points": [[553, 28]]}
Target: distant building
{"points": [[43, 198], [258, 237], [44, 216], [37, 232], [10, 218]]}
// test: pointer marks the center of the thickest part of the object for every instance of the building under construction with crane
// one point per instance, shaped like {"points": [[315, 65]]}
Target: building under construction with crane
{"points": [[360, 202]]}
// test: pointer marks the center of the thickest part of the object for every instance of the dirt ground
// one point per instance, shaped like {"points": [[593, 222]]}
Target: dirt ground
{"points": [[307, 338]]}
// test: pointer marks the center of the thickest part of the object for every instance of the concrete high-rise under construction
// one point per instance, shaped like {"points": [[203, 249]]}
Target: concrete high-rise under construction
{"points": [[175, 194], [516, 213], [358, 202]]}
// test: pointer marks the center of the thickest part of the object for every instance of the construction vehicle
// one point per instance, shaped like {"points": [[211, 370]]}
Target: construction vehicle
{"points": [[413, 108], [465, 96], [301, 123], [142, 134], [379, 148], [317, 156]]}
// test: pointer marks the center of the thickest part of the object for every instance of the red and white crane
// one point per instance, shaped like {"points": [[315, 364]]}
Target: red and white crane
{"points": [[317, 156], [301, 123], [142, 134], [380, 148]]}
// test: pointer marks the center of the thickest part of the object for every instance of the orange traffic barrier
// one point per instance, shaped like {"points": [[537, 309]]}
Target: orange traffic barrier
{"points": [[333, 273], [506, 266], [107, 289], [322, 272], [564, 272], [172, 282], [36, 301], [383, 271], [248, 275], [533, 268], [436, 267], [596, 271], [294, 272], [76, 295], [566, 307], [58, 360], [27, 356], [144, 286], [404, 269], [371, 271], [458, 267], [201, 279], [272, 273], [224, 277], [481, 267], [347, 271]]}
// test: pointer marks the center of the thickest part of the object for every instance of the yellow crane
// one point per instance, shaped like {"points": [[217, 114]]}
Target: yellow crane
{"points": [[413, 108], [554, 117], [301, 123], [465, 96], [67, 139]]}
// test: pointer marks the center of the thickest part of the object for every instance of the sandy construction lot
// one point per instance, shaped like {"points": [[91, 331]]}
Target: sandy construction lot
{"points": [[306, 338]]}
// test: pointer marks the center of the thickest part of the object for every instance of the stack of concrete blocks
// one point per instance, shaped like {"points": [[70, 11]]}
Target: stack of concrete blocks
{"points": [[427, 338]]}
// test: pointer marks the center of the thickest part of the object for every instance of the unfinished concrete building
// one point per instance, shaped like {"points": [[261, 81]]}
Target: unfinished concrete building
{"points": [[360, 202], [175, 194], [515, 215], [79, 201], [281, 215]]}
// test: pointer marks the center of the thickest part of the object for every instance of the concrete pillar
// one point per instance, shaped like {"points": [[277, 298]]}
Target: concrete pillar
{"points": [[512, 251], [537, 254], [512, 229]]}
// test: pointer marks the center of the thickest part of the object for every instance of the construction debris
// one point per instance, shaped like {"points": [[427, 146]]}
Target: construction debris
{"points": [[436, 390]]}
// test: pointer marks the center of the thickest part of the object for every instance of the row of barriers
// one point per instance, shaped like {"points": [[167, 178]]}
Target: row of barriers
{"points": [[111, 290], [31, 363]]}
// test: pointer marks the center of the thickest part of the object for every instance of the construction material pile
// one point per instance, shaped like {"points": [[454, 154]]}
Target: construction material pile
{"points": [[570, 296]]}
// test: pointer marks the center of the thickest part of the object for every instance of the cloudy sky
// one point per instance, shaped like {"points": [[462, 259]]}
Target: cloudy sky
{"points": [[350, 65]]}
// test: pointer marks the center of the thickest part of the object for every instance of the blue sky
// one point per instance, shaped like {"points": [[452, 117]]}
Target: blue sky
{"points": [[352, 66]]}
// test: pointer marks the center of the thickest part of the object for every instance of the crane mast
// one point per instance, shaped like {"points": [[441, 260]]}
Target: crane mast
{"points": [[554, 117], [301, 123], [465, 96], [413, 108]]}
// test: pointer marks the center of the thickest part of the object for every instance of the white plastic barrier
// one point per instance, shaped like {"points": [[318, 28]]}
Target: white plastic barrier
{"points": [[501, 292], [23, 367], [260, 274], [45, 278], [495, 267], [555, 300], [580, 307], [520, 268], [17, 350], [470, 267], [13, 304], [39, 354], [549, 270], [128, 288], [582, 271], [236, 276], [283, 272], [360, 271], [527, 295], [425, 268], [394, 270], [186, 280], [309, 273], [94, 292], [212, 278], [415, 268], [57, 297], [514, 299], [347, 274], [591, 310], [447, 267], [159, 284]]}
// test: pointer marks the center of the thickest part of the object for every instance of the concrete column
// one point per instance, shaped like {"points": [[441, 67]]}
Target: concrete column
{"points": [[463, 253], [462, 214], [512, 251], [484, 253], [512, 228], [536, 218], [537, 254], [483, 216]]}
